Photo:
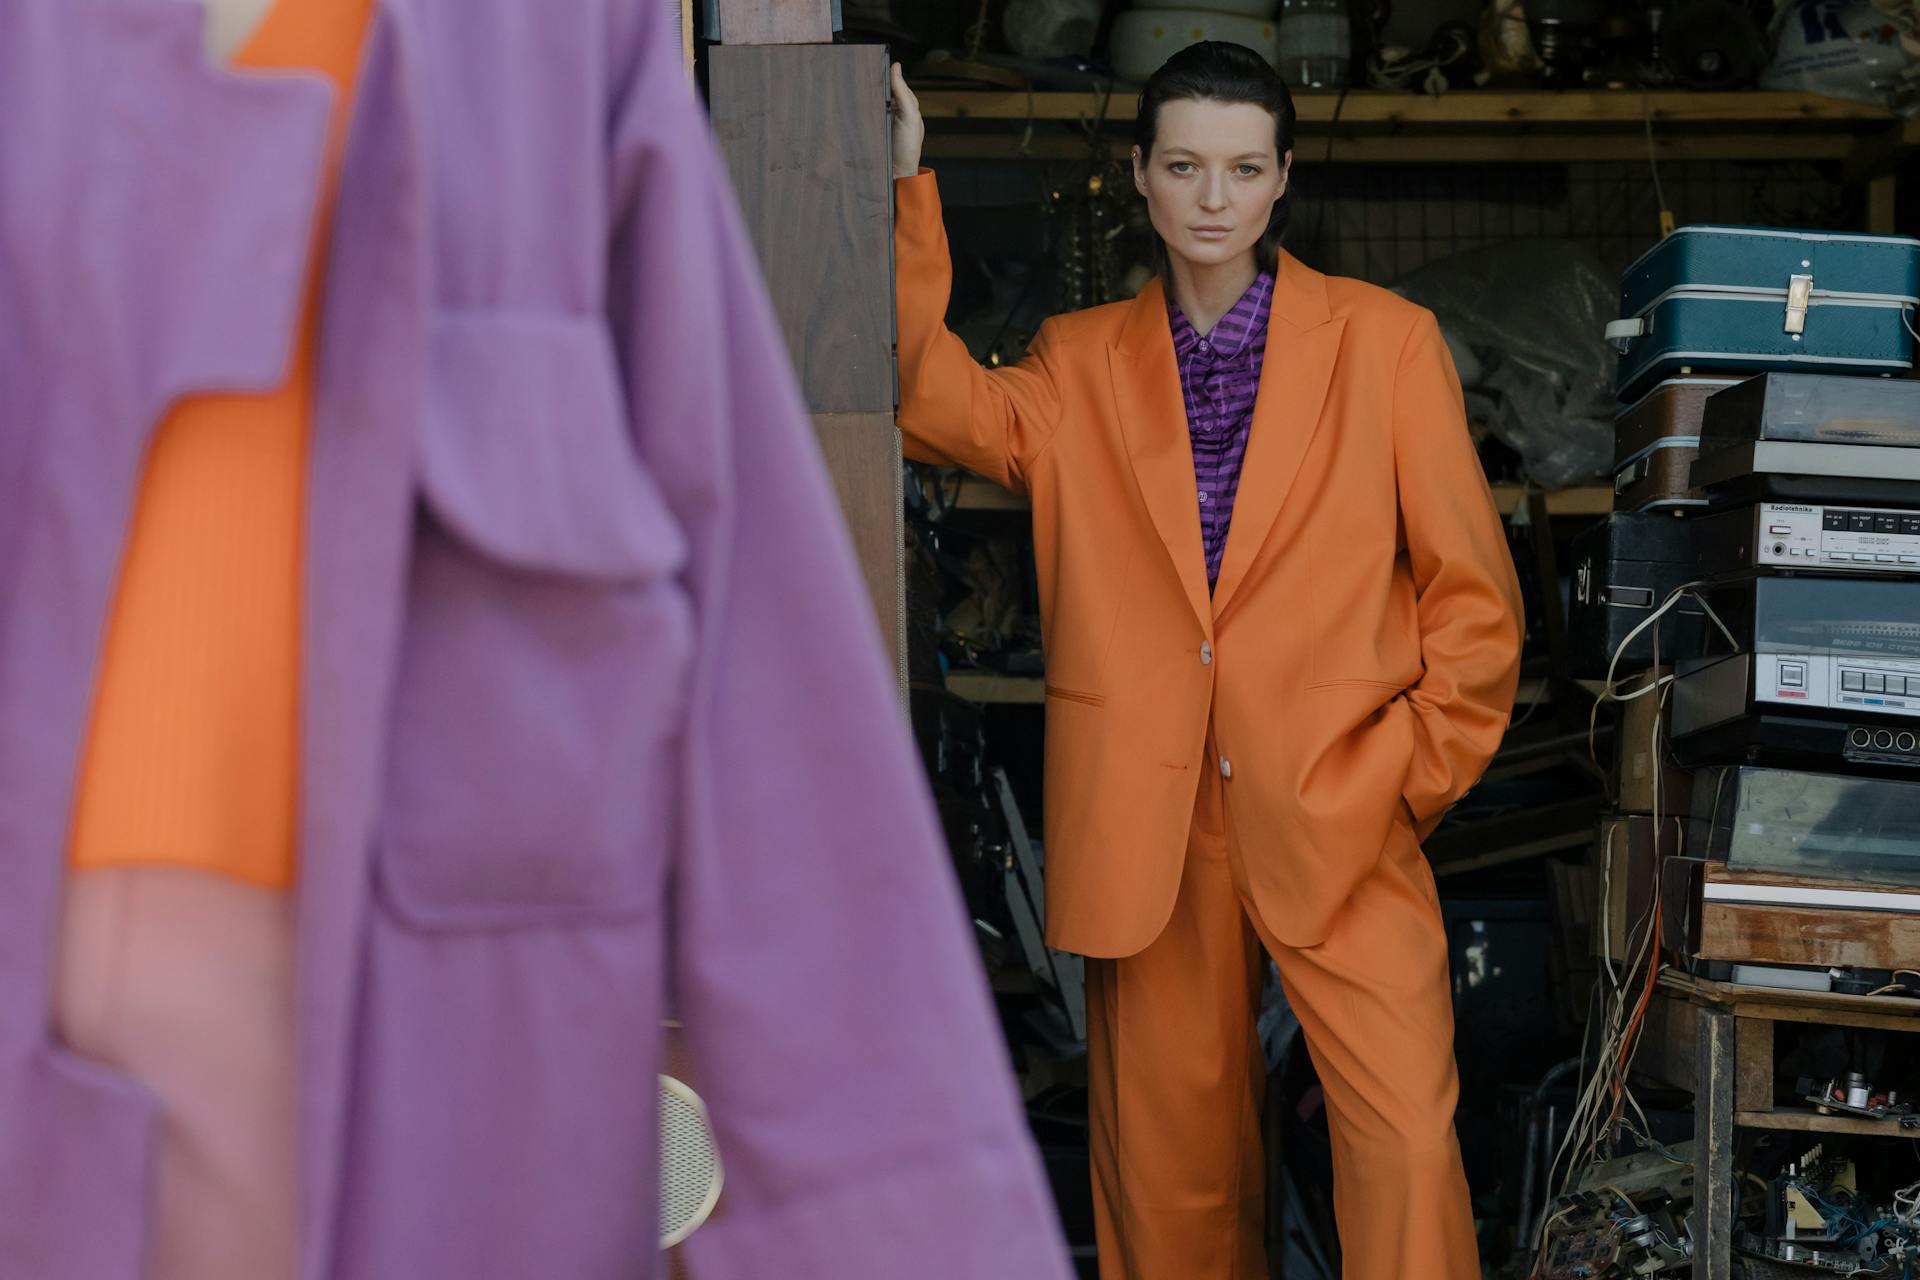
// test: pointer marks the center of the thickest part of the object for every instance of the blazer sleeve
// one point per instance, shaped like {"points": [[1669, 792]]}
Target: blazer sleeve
{"points": [[993, 422], [820, 957], [1469, 598]]}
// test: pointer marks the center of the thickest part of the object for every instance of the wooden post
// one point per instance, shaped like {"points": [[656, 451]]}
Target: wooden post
{"points": [[1753, 1047], [1546, 565], [775, 22], [802, 124], [1880, 210], [1713, 1202], [805, 133]]}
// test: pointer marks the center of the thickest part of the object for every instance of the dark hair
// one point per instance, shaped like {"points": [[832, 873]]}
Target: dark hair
{"points": [[1219, 71]]}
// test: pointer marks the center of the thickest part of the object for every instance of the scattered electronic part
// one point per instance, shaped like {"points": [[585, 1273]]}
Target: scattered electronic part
{"points": [[1817, 1217]]}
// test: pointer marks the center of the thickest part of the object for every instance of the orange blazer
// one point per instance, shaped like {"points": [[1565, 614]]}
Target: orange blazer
{"points": [[1358, 656]]}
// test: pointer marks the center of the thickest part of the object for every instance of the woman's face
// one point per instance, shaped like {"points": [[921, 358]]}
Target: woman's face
{"points": [[1213, 178]]}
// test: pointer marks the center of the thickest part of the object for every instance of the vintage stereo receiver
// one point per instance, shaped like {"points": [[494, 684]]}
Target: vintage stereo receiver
{"points": [[1850, 617], [1753, 708], [1810, 670], [1785, 535]]}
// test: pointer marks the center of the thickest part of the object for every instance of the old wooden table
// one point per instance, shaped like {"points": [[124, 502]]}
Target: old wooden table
{"points": [[1716, 1039]]}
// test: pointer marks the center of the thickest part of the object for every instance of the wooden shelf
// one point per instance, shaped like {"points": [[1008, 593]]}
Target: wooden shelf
{"points": [[975, 494], [1811, 1121], [1583, 500], [991, 687], [1893, 1013], [1384, 107], [1468, 126]]}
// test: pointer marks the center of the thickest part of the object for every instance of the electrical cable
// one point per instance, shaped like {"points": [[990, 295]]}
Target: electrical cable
{"points": [[1604, 1096]]}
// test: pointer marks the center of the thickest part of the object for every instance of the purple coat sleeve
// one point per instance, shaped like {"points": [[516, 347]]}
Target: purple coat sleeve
{"points": [[833, 1000]]}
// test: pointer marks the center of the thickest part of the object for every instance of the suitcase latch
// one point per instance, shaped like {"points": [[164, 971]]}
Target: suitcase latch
{"points": [[1799, 290]]}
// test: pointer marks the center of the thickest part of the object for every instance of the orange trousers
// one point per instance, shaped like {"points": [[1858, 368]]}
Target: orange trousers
{"points": [[1177, 1076], [183, 982]]}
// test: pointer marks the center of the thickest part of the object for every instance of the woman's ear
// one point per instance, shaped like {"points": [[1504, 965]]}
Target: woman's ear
{"points": [[1286, 174], [1140, 171]]}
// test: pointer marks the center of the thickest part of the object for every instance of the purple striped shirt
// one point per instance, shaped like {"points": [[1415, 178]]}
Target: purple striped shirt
{"points": [[1219, 376]]}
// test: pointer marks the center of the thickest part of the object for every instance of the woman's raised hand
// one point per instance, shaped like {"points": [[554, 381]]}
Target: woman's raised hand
{"points": [[909, 130]]}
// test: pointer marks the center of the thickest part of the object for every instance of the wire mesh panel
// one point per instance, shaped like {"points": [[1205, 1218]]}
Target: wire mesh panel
{"points": [[1379, 222]]}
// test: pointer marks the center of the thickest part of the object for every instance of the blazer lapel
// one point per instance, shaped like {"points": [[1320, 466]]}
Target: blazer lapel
{"points": [[1303, 344], [1153, 419]]}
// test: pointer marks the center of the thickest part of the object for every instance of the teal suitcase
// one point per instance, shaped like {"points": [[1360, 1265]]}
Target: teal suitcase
{"points": [[1755, 299]]}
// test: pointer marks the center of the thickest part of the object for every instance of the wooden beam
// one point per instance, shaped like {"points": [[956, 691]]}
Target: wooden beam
{"points": [[862, 452], [991, 687], [1821, 1015], [976, 494], [1753, 1052], [1405, 110], [1821, 936], [1713, 1207], [1880, 203], [804, 132], [1811, 1121], [775, 21], [1786, 1005], [1669, 1047], [1583, 500], [1497, 841], [1882, 151], [1451, 148], [803, 128]]}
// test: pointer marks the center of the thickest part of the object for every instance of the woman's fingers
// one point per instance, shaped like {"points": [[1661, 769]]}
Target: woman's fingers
{"points": [[909, 131]]}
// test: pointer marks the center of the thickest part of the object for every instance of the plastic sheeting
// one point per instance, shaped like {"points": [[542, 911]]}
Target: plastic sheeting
{"points": [[1531, 313], [1841, 48]]}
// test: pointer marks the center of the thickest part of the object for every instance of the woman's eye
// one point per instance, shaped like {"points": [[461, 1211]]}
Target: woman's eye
{"points": [[1248, 170], [1180, 166]]}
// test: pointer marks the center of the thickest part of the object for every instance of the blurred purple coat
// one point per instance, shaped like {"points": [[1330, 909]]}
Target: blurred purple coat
{"points": [[595, 714]]}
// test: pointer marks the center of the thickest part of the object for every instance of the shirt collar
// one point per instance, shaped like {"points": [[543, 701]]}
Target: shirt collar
{"points": [[1228, 341]]}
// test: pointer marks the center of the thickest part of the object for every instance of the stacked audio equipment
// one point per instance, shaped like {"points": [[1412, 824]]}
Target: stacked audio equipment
{"points": [[1751, 608], [1754, 605]]}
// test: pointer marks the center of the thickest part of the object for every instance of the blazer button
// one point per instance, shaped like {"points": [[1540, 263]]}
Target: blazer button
{"points": [[1226, 767], [1206, 654]]}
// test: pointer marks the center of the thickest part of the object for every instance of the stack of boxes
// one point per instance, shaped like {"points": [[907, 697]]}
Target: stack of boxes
{"points": [[1754, 602]]}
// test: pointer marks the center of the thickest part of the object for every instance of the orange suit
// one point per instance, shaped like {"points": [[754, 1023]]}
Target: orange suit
{"points": [[1250, 769]]}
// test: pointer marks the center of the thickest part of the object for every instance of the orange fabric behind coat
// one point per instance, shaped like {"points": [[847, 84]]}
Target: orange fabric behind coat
{"points": [[192, 757]]}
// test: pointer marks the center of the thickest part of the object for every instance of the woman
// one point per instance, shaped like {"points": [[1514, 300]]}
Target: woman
{"points": [[1282, 638], [404, 503]]}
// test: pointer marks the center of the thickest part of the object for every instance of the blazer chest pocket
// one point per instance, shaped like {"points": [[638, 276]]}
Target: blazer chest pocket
{"points": [[530, 777]]}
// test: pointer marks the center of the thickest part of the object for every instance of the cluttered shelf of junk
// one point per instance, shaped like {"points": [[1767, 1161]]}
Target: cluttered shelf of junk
{"points": [[1683, 905]]}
